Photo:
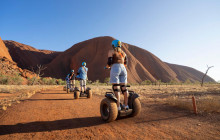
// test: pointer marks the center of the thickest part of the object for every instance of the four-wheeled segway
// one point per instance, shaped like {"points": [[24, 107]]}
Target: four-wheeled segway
{"points": [[78, 94], [108, 107]]}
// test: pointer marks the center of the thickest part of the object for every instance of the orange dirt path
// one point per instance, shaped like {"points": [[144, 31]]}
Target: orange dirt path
{"points": [[53, 114]]}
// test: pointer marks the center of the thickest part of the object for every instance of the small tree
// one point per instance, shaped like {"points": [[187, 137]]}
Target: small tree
{"points": [[38, 72], [205, 74]]}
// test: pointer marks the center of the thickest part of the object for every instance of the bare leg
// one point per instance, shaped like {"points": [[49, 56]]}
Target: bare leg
{"points": [[74, 82], [84, 88], [117, 94], [81, 88], [125, 95], [71, 84]]}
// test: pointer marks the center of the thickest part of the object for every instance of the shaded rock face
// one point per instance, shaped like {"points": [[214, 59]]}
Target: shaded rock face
{"points": [[142, 65], [27, 57], [4, 50]]}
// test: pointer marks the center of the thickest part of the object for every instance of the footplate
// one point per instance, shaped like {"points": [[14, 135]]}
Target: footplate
{"points": [[125, 112], [83, 95]]}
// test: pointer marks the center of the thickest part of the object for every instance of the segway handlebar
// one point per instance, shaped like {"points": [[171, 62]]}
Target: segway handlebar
{"points": [[107, 68]]}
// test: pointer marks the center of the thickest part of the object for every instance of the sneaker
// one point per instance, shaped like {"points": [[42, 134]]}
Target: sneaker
{"points": [[126, 107], [119, 108]]}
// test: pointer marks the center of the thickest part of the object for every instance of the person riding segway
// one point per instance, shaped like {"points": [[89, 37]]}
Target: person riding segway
{"points": [[82, 75], [110, 107], [72, 80]]}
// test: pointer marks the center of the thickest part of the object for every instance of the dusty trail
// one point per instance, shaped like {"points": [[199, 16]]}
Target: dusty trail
{"points": [[54, 114]]}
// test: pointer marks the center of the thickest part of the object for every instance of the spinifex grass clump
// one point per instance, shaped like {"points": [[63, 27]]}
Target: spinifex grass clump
{"points": [[205, 103]]}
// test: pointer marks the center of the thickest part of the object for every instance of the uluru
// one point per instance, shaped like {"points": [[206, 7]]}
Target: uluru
{"points": [[142, 64]]}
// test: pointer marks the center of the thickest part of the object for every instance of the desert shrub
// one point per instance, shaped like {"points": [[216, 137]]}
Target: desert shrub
{"points": [[16, 79], [107, 80], [44, 81], [4, 80], [133, 84], [31, 80], [96, 82], [89, 82], [61, 82], [52, 81], [173, 82], [146, 82], [187, 82]]}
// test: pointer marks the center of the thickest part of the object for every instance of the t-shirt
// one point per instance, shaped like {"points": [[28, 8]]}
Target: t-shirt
{"points": [[82, 73]]}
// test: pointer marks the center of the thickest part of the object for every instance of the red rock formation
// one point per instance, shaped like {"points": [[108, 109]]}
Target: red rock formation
{"points": [[27, 56], [142, 64], [4, 50]]}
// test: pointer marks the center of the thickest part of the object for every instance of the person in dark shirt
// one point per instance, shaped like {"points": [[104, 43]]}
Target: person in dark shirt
{"points": [[72, 79]]}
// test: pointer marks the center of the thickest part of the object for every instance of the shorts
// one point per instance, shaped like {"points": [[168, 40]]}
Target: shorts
{"points": [[82, 83], [72, 82], [118, 74]]}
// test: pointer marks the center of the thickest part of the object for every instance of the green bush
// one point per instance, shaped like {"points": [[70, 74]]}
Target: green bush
{"points": [[61, 82], [11, 80], [107, 80], [187, 82], [146, 82], [31, 80], [173, 82], [16, 80], [4, 80]]}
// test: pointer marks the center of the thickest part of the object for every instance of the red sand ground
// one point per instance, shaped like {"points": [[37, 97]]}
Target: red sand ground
{"points": [[54, 114]]}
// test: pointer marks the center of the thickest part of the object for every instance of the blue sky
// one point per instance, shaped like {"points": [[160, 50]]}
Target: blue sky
{"points": [[183, 32]]}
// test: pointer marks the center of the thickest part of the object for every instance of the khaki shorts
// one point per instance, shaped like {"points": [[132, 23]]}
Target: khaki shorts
{"points": [[72, 82], [82, 83]]}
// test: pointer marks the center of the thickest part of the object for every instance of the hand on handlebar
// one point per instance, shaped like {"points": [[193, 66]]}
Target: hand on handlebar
{"points": [[107, 67]]}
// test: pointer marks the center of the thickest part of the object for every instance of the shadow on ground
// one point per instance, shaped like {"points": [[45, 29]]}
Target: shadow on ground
{"points": [[42, 126]]}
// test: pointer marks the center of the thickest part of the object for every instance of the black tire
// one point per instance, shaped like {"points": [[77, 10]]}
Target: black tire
{"points": [[89, 92], [136, 107], [108, 110], [76, 94]]}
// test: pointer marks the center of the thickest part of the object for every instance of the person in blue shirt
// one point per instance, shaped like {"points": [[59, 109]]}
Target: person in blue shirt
{"points": [[82, 75]]}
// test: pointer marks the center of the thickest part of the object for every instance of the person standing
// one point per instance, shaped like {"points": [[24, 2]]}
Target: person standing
{"points": [[72, 79], [82, 75], [117, 60]]}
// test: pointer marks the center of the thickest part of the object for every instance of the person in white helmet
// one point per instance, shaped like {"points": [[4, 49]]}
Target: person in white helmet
{"points": [[82, 75]]}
